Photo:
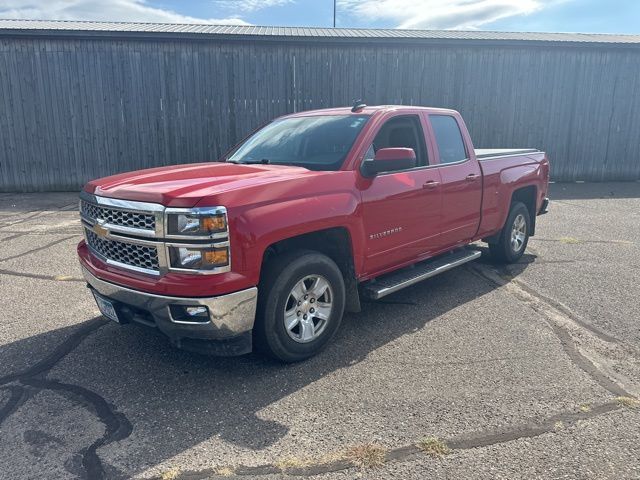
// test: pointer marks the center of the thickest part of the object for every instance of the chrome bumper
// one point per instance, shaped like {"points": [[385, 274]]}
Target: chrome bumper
{"points": [[229, 315]]}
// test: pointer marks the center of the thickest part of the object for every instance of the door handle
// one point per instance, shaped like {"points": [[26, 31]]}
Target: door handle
{"points": [[431, 184], [471, 177]]}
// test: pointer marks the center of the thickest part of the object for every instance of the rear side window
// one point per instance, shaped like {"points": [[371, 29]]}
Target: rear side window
{"points": [[448, 138]]}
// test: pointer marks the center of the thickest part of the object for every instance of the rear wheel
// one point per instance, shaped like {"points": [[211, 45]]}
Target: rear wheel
{"points": [[300, 305], [513, 239]]}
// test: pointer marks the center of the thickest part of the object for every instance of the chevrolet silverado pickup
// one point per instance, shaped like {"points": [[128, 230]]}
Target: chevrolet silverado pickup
{"points": [[269, 246]]}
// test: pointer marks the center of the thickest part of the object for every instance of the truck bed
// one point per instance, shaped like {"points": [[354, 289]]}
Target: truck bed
{"points": [[498, 175], [488, 153]]}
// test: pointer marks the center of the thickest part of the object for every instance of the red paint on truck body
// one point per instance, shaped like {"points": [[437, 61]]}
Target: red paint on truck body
{"points": [[393, 220]]}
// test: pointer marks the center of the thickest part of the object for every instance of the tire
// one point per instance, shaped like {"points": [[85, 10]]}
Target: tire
{"points": [[311, 323], [509, 249]]}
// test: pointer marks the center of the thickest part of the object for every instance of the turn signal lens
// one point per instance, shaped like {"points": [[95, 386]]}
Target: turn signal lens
{"points": [[217, 256], [213, 224]]}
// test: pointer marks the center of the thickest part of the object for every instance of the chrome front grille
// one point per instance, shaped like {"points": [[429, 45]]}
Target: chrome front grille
{"points": [[137, 256], [133, 234], [122, 218]]}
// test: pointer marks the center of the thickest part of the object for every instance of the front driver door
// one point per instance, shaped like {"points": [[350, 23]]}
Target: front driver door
{"points": [[401, 209]]}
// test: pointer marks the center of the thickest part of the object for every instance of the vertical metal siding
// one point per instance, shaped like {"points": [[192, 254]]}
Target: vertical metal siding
{"points": [[77, 109]]}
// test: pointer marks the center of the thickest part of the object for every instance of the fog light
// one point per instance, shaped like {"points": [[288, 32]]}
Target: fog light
{"points": [[189, 313], [196, 311]]}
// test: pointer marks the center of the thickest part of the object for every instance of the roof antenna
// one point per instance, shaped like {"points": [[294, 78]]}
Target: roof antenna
{"points": [[358, 105]]}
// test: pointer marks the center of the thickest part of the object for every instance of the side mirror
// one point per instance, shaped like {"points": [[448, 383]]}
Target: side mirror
{"points": [[389, 160]]}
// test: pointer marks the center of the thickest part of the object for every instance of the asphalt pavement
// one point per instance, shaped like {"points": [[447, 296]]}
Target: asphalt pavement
{"points": [[525, 371]]}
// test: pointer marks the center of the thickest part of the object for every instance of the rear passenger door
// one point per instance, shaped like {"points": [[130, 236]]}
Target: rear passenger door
{"points": [[401, 209], [461, 179]]}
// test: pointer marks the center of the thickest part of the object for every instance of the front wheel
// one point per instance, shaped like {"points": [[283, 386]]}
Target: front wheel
{"points": [[514, 236], [300, 305]]}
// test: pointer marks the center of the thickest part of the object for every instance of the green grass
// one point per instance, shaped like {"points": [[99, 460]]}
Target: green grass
{"points": [[433, 447], [224, 471], [170, 474], [369, 455], [628, 402]]}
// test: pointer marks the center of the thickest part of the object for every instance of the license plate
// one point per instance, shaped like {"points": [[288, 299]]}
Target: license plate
{"points": [[106, 307]]}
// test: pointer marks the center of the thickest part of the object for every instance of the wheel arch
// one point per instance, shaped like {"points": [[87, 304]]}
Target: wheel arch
{"points": [[336, 243], [527, 195]]}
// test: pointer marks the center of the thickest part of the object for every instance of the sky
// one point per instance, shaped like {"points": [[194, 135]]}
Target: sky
{"points": [[588, 16]]}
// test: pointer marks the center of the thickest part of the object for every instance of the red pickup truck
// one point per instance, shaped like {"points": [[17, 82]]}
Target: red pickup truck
{"points": [[298, 222]]}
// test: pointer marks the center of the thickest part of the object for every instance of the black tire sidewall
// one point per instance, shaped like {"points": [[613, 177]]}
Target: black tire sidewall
{"points": [[517, 209], [284, 274]]}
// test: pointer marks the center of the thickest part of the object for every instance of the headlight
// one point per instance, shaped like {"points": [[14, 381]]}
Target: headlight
{"points": [[199, 258], [196, 224], [197, 239]]}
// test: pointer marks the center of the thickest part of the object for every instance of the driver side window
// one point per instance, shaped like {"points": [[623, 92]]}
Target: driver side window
{"points": [[401, 131]]}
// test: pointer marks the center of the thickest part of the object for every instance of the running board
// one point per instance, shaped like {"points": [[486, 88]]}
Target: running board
{"points": [[387, 284]]}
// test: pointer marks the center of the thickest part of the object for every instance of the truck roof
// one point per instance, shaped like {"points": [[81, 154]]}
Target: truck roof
{"points": [[367, 110]]}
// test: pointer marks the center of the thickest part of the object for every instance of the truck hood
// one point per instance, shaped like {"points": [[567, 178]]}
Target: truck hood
{"points": [[186, 185]]}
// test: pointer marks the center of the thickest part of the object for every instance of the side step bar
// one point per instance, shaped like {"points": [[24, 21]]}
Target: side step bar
{"points": [[387, 284]]}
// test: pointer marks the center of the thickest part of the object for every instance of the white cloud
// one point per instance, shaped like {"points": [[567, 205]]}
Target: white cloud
{"points": [[439, 14], [101, 10], [251, 5]]}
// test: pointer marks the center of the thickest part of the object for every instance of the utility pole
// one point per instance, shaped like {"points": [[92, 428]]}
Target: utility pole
{"points": [[334, 13]]}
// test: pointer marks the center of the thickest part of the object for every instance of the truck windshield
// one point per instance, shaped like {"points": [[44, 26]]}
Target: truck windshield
{"points": [[316, 143]]}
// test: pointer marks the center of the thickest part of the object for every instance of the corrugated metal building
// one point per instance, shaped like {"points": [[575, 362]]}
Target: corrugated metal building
{"points": [[79, 100]]}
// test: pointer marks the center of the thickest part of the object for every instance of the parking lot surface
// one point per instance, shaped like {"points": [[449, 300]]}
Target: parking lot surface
{"points": [[529, 370]]}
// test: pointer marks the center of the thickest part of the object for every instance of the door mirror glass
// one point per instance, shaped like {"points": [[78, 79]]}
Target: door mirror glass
{"points": [[389, 160]]}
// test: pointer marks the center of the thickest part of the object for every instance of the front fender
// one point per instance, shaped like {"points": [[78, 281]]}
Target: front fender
{"points": [[260, 226]]}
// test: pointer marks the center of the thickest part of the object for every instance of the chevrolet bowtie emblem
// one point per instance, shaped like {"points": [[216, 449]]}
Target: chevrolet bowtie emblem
{"points": [[100, 231]]}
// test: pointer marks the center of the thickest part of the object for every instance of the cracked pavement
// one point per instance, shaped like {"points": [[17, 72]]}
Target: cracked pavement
{"points": [[518, 369]]}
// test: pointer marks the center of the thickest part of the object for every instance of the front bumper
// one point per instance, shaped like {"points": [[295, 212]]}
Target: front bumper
{"points": [[226, 332]]}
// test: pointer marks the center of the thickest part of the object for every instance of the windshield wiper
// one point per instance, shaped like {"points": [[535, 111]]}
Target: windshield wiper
{"points": [[262, 161]]}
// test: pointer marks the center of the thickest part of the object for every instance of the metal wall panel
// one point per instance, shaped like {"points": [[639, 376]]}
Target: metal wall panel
{"points": [[73, 109]]}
